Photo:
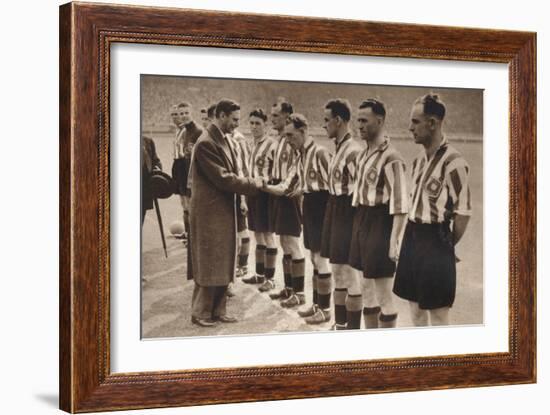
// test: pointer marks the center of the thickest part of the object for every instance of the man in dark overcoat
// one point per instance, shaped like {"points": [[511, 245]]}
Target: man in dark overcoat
{"points": [[149, 163], [215, 185]]}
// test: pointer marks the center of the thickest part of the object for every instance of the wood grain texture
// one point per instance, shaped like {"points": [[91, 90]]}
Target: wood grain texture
{"points": [[86, 33]]}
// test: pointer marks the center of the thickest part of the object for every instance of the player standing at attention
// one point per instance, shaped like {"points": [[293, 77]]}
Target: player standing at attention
{"points": [[186, 137], [261, 165], [381, 200], [439, 214], [286, 214], [242, 153], [312, 161], [338, 223]]}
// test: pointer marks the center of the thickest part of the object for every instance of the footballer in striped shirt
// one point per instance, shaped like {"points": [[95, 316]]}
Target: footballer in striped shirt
{"points": [[382, 205], [310, 178], [240, 147], [260, 164], [286, 214], [338, 222], [438, 217]]}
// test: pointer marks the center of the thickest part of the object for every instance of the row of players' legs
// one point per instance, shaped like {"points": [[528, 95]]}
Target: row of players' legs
{"points": [[375, 294]]}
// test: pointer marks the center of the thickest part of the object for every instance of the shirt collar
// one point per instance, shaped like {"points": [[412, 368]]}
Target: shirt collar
{"points": [[262, 139], [342, 141], [384, 145], [309, 145], [443, 144]]}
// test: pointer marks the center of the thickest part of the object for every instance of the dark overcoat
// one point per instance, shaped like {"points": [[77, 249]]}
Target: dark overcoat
{"points": [[215, 182]]}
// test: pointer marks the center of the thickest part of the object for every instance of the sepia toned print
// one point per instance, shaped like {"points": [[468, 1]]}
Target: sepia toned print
{"points": [[298, 206]]}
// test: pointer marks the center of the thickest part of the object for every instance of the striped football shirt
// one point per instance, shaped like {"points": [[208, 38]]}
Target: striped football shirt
{"points": [[381, 179], [440, 186], [179, 151], [242, 151], [315, 164], [309, 169], [285, 158], [262, 157], [342, 167]]}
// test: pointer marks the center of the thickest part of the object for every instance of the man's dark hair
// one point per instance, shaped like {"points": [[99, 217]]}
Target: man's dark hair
{"points": [[339, 108], [258, 112], [298, 121], [284, 106], [226, 106], [184, 104], [211, 111], [377, 107], [432, 105]]}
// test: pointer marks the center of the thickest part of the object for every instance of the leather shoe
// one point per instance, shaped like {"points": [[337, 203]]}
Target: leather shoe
{"points": [[308, 311], [227, 319], [203, 322]]}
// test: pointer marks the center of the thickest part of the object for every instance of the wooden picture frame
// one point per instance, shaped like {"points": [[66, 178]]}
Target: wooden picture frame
{"points": [[86, 33]]}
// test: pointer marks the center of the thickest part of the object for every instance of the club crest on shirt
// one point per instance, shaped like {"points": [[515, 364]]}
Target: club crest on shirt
{"points": [[284, 156], [433, 187], [312, 174], [337, 174], [260, 162], [372, 176]]}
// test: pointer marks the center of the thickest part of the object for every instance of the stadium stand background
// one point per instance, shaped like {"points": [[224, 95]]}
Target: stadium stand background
{"points": [[158, 93]]}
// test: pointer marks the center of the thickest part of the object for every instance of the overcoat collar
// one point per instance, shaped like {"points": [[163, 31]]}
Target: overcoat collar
{"points": [[220, 140]]}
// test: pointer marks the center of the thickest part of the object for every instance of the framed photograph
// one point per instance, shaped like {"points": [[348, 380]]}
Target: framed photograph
{"points": [[253, 208]]}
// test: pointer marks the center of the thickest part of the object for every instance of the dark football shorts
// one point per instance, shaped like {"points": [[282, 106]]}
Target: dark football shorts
{"points": [[315, 204], [287, 216], [370, 241], [180, 173], [258, 212], [426, 271], [337, 227]]}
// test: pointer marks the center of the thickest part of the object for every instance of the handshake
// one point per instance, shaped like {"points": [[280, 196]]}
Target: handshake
{"points": [[260, 182]]}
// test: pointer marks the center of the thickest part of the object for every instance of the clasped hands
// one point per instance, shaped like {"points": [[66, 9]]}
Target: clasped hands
{"points": [[280, 189]]}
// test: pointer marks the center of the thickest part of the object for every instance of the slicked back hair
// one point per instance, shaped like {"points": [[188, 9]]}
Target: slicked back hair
{"points": [[377, 107], [226, 106], [339, 107], [298, 121], [432, 105], [211, 111], [258, 112], [284, 106], [184, 105]]}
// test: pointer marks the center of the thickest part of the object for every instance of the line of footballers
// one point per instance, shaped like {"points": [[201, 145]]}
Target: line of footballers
{"points": [[368, 236]]}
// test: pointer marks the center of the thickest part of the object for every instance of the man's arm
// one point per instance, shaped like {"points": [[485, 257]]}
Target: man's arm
{"points": [[212, 166], [398, 227], [459, 227]]}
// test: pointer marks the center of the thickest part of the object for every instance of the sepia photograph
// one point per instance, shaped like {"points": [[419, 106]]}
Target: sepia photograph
{"points": [[276, 206]]}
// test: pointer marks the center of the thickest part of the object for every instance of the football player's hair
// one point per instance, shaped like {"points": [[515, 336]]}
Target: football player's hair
{"points": [[339, 107], [284, 106], [432, 105], [184, 104], [377, 107], [211, 111], [226, 106], [298, 121], [258, 112]]}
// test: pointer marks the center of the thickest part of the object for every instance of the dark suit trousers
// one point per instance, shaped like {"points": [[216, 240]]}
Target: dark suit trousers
{"points": [[209, 302]]}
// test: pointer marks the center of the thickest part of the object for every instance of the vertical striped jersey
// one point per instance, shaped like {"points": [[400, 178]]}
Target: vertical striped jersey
{"points": [[314, 169], [342, 167], [179, 151], [381, 179], [261, 161], [309, 169], [285, 158], [440, 187], [242, 151]]}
